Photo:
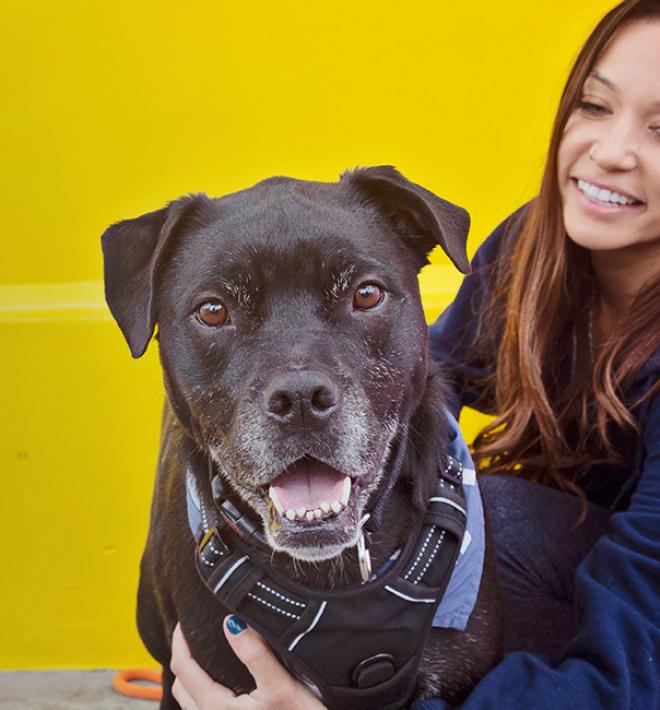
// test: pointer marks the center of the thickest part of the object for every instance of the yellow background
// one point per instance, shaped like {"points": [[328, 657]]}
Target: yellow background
{"points": [[112, 108]]}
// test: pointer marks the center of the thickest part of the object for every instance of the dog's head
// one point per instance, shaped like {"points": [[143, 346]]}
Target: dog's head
{"points": [[291, 333]]}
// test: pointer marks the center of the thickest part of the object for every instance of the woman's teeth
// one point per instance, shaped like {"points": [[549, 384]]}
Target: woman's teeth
{"points": [[324, 509], [598, 194]]}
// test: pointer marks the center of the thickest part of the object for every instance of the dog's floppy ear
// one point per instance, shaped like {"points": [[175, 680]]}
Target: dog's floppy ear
{"points": [[422, 218], [131, 253]]}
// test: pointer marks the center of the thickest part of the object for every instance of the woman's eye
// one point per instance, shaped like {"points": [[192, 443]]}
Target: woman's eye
{"points": [[592, 109], [367, 295], [213, 313]]}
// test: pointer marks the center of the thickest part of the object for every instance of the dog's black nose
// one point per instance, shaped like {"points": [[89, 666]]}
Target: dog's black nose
{"points": [[304, 394]]}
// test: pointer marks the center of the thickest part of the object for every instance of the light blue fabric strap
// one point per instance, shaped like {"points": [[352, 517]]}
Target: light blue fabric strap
{"points": [[461, 594], [197, 524]]}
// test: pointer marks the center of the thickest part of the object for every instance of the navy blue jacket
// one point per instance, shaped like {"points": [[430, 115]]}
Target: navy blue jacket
{"points": [[614, 661]]}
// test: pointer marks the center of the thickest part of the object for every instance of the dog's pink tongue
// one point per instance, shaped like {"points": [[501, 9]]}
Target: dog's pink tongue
{"points": [[308, 486]]}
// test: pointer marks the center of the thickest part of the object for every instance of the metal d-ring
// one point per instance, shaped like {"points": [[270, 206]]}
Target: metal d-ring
{"points": [[364, 558]]}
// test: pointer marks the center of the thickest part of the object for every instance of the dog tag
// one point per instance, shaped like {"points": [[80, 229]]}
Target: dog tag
{"points": [[364, 558]]}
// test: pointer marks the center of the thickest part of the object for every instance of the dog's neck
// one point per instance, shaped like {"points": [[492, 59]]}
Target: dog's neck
{"points": [[425, 444]]}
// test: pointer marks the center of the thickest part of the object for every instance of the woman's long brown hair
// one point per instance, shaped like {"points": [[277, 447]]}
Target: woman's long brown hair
{"points": [[551, 427]]}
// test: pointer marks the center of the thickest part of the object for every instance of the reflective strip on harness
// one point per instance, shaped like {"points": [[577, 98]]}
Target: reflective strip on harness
{"points": [[295, 641], [442, 499], [407, 598], [228, 573]]}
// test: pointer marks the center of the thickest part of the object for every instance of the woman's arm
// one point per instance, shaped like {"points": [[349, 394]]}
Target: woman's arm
{"points": [[614, 661]]}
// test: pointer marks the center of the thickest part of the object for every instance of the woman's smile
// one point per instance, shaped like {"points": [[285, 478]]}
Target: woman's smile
{"points": [[606, 200]]}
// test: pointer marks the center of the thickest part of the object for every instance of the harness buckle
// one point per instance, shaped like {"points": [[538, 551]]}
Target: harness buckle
{"points": [[374, 670], [452, 471], [243, 526], [211, 548]]}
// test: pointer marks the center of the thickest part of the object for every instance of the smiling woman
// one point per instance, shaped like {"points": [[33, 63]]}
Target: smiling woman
{"points": [[593, 314], [565, 351]]}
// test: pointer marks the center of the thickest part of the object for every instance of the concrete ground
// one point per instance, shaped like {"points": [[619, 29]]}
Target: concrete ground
{"points": [[64, 690]]}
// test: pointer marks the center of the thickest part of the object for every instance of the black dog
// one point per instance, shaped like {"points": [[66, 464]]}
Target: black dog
{"points": [[294, 354]]}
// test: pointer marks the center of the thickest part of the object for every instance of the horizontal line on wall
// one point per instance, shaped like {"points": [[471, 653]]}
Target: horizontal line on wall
{"points": [[77, 300], [84, 300]]}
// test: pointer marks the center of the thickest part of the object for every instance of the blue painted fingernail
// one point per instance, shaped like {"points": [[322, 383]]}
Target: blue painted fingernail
{"points": [[235, 625]]}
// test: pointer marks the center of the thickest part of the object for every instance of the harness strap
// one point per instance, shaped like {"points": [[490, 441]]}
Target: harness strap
{"points": [[336, 639]]}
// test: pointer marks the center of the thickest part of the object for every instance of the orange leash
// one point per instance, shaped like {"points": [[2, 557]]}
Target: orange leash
{"points": [[122, 683]]}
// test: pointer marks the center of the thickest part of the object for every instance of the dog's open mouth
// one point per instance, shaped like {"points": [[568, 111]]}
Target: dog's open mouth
{"points": [[312, 511], [309, 490]]}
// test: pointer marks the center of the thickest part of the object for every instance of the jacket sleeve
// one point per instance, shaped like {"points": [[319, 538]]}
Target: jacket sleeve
{"points": [[454, 334], [614, 661]]}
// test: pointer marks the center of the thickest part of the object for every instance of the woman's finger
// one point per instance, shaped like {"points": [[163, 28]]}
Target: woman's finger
{"points": [[268, 673], [276, 688], [182, 696], [199, 687]]}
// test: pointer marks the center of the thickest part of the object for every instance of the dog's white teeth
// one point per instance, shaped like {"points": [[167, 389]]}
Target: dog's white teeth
{"points": [[345, 491], [276, 501], [322, 511]]}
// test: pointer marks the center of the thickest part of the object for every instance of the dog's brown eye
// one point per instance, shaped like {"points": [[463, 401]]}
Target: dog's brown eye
{"points": [[213, 313], [367, 296]]}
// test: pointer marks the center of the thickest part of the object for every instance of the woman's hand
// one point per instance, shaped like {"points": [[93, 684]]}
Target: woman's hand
{"points": [[276, 688]]}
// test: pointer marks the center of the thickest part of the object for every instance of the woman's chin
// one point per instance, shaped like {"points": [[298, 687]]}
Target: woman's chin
{"points": [[601, 229]]}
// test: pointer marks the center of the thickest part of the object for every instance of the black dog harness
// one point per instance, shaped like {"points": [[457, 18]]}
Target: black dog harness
{"points": [[359, 645]]}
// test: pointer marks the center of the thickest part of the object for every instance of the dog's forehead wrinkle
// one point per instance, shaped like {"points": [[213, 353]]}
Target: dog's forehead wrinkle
{"points": [[329, 248]]}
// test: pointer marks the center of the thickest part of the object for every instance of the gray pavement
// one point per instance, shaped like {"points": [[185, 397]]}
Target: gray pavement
{"points": [[64, 690]]}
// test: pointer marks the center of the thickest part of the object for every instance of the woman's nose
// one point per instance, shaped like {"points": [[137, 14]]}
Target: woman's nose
{"points": [[616, 147]]}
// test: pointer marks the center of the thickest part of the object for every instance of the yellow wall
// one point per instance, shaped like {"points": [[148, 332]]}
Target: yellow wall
{"points": [[112, 108]]}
